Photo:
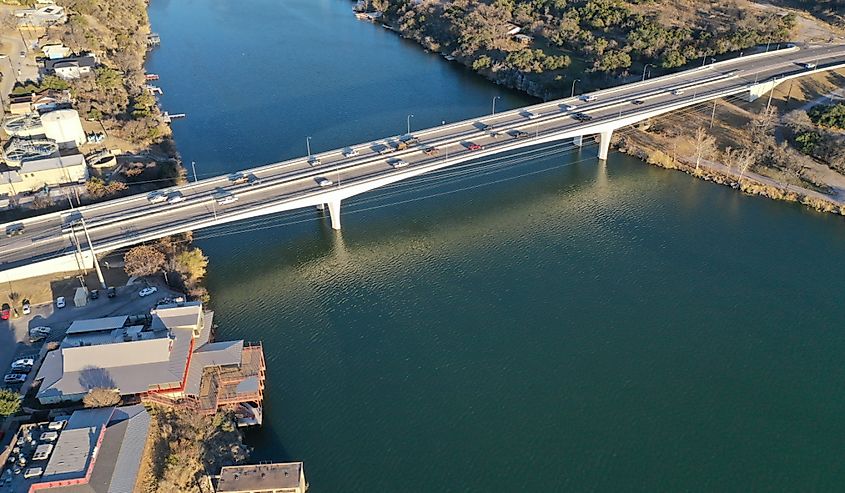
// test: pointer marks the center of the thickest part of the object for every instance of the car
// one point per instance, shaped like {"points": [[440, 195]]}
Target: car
{"points": [[386, 149], [227, 199], [175, 198], [40, 332], [485, 127], [495, 135], [60, 302], [474, 147], [49, 436], [111, 292], [637, 102], [238, 178], [350, 153], [323, 182], [314, 161], [33, 472], [57, 424], [27, 307], [520, 134], [582, 117], [431, 151], [5, 312], [147, 291], [809, 65], [588, 98], [22, 369], [677, 92], [399, 163], [15, 229], [156, 197], [94, 294], [23, 362], [409, 139], [530, 115], [570, 107], [14, 378]]}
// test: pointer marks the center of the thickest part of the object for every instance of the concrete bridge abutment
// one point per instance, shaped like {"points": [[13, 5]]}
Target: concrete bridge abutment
{"points": [[604, 144], [334, 213]]}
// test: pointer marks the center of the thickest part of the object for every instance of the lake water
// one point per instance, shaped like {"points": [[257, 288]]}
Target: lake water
{"points": [[538, 322]]}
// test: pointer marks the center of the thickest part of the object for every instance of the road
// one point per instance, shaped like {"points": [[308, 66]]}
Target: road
{"points": [[129, 220]]}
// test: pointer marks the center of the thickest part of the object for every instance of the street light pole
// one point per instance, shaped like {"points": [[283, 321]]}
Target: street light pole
{"points": [[308, 145], [494, 103], [93, 253], [572, 93], [194, 168], [409, 123], [647, 65]]}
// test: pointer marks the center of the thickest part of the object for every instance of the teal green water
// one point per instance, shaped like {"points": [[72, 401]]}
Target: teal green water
{"points": [[543, 324]]}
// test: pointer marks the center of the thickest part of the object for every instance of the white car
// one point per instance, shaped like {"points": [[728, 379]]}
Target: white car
{"points": [[314, 161], [33, 472], [23, 363], [570, 107], [57, 425], [399, 163], [175, 198], [678, 92], [588, 98], [350, 153], [810, 65], [147, 291], [531, 115], [42, 331], [228, 199], [14, 378], [323, 182], [60, 302], [49, 436], [156, 197]]}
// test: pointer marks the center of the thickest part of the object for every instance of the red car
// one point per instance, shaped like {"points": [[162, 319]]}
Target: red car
{"points": [[474, 147], [5, 312]]}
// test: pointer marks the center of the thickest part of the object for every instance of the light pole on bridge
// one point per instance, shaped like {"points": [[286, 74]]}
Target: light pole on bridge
{"points": [[572, 92], [308, 145], [647, 65], [194, 168], [494, 103], [409, 123]]}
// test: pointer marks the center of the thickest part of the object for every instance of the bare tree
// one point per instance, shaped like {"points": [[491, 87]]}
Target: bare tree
{"points": [[745, 159], [705, 146], [101, 397], [143, 260]]}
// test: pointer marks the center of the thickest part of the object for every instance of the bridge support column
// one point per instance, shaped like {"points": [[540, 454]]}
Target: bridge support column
{"points": [[604, 144], [334, 212], [578, 141]]}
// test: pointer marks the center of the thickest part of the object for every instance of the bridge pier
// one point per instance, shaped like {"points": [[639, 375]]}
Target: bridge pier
{"points": [[334, 213], [604, 144], [578, 141]]}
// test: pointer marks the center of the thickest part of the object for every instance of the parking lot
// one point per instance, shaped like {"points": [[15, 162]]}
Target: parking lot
{"points": [[14, 334]]}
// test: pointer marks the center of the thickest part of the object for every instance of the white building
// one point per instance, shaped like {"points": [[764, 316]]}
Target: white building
{"points": [[62, 126], [56, 51], [35, 175]]}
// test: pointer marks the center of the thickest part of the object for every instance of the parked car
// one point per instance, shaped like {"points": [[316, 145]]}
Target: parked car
{"points": [[5, 312], [474, 147], [399, 163], [350, 153], [38, 333], [147, 291], [57, 425], [323, 182], [175, 198], [49, 436], [14, 378], [60, 302], [33, 472], [94, 294], [431, 151], [23, 363], [111, 292], [27, 308]]}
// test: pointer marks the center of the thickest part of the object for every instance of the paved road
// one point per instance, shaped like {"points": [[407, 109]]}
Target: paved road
{"points": [[123, 221]]}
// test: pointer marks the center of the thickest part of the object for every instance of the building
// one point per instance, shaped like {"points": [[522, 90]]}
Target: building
{"points": [[48, 15], [512, 28], [71, 67], [62, 126], [44, 101], [164, 358], [36, 174], [287, 477], [523, 38], [98, 451]]}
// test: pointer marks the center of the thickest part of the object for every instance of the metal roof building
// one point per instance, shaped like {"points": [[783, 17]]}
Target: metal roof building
{"points": [[99, 451], [286, 477]]}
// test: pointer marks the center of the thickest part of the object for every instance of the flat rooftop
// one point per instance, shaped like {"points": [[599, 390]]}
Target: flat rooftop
{"points": [[259, 477]]}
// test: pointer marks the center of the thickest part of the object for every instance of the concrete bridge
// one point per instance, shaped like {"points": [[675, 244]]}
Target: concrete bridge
{"points": [[57, 243]]}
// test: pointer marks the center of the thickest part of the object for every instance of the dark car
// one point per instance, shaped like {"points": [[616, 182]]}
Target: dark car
{"points": [[520, 134], [111, 292], [5, 312], [485, 127], [582, 117], [15, 229], [637, 102], [94, 294]]}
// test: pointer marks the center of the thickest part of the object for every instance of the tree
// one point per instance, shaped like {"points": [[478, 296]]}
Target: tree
{"points": [[10, 402], [705, 146], [101, 397], [192, 263], [143, 260]]}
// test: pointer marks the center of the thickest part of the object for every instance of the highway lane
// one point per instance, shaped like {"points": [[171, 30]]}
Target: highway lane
{"points": [[287, 179]]}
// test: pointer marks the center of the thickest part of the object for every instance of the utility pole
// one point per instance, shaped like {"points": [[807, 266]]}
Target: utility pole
{"points": [[771, 93], [494, 105], [409, 123], [647, 65], [308, 145], [713, 114], [93, 253], [194, 168], [572, 93]]}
